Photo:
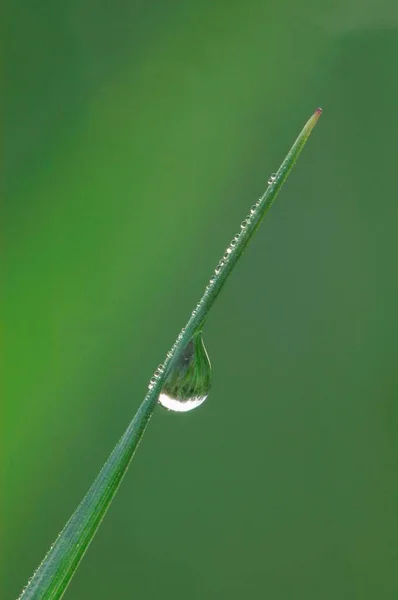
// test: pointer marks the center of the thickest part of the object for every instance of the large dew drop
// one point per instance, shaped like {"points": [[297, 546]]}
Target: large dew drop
{"points": [[187, 385]]}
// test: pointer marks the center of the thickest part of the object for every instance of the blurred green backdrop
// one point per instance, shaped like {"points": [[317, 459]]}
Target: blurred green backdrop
{"points": [[137, 134]]}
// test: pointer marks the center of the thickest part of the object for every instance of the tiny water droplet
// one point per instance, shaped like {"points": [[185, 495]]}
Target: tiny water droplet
{"points": [[196, 309], [180, 335], [272, 178], [219, 266], [159, 370], [152, 382], [234, 241], [244, 224], [187, 385], [253, 209]]}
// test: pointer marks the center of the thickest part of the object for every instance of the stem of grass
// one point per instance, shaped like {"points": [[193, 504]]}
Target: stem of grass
{"points": [[56, 570]]}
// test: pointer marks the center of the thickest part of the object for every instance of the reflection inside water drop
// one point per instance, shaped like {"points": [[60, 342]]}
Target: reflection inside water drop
{"points": [[188, 384], [177, 406]]}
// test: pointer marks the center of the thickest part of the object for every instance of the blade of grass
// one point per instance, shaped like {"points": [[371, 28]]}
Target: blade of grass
{"points": [[55, 572]]}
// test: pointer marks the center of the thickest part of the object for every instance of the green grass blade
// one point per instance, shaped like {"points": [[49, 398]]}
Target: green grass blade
{"points": [[55, 572]]}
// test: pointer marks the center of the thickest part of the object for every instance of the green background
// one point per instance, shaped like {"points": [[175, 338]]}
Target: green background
{"points": [[136, 136]]}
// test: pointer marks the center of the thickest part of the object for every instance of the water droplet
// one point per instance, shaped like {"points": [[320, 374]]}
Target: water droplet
{"points": [[272, 178], [253, 209], [196, 309], [234, 241], [187, 385], [180, 335], [152, 382], [244, 224], [219, 266]]}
